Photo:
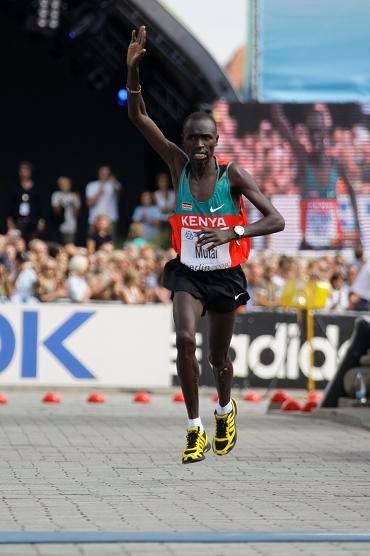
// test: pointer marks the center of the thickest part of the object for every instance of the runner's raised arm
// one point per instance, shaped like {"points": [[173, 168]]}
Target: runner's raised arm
{"points": [[172, 155]]}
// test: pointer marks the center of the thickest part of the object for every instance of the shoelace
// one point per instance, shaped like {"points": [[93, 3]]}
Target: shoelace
{"points": [[191, 439], [221, 428]]}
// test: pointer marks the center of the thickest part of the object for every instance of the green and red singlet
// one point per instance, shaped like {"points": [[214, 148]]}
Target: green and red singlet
{"points": [[219, 211]]}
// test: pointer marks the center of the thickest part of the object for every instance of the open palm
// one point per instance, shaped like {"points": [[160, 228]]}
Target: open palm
{"points": [[136, 49]]}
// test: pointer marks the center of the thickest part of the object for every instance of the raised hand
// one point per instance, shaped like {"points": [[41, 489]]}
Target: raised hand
{"points": [[136, 49]]}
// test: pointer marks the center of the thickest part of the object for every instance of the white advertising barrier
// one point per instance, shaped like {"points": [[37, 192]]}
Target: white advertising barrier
{"points": [[67, 344]]}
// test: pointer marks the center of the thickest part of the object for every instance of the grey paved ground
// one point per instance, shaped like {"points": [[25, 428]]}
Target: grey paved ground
{"points": [[116, 467]]}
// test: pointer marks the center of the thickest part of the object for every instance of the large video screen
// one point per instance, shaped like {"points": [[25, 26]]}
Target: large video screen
{"points": [[312, 161]]}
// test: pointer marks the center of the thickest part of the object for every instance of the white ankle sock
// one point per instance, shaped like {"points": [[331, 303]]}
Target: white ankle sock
{"points": [[225, 409], [195, 423]]}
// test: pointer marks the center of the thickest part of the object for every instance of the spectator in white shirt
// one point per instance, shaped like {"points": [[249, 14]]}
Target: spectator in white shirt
{"points": [[25, 282], [102, 197], [164, 197], [66, 207], [148, 215]]}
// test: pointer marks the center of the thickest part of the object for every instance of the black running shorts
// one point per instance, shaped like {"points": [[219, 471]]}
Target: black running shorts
{"points": [[221, 291]]}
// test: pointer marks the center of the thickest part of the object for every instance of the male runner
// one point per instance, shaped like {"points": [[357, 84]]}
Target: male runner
{"points": [[318, 174], [211, 236]]}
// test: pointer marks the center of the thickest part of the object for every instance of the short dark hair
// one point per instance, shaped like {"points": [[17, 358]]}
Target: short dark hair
{"points": [[196, 116]]}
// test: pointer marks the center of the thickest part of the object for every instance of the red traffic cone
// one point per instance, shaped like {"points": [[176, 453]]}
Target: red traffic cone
{"points": [[314, 396], [309, 406], [95, 397], [142, 397], [277, 399], [215, 397], [3, 398], [51, 397], [178, 397], [252, 397], [291, 405], [279, 396]]}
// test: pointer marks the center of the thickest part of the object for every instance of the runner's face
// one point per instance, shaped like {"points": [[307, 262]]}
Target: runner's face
{"points": [[200, 139]]}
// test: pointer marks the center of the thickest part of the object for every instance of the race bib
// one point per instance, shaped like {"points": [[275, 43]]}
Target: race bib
{"points": [[199, 258], [321, 223]]}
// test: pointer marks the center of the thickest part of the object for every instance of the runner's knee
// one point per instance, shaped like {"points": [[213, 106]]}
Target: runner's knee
{"points": [[185, 343]]}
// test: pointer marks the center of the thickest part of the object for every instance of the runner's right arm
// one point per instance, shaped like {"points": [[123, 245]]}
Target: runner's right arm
{"points": [[172, 155]]}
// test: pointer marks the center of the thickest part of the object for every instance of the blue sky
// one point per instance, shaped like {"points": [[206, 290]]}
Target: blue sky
{"points": [[218, 24]]}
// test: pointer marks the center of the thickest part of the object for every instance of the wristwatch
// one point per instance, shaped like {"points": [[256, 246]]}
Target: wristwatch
{"points": [[238, 231]]}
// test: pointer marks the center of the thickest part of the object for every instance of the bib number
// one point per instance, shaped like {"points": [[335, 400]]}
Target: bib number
{"points": [[199, 258]]}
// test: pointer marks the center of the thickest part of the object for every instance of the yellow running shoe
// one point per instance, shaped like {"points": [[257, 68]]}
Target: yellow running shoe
{"points": [[196, 445], [224, 439]]}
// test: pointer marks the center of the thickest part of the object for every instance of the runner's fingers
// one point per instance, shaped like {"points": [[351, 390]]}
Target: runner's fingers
{"points": [[205, 241], [203, 232], [142, 33], [205, 238]]}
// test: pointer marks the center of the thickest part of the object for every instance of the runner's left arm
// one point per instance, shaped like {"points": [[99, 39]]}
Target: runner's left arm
{"points": [[272, 221]]}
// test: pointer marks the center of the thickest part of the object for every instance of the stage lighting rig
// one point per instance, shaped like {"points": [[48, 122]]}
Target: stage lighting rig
{"points": [[48, 14]]}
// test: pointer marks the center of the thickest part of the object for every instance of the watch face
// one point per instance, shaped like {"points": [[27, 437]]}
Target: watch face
{"points": [[239, 230]]}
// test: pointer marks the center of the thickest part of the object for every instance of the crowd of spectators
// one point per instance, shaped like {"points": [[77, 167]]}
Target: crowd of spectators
{"points": [[47, 271], [133, 274]]}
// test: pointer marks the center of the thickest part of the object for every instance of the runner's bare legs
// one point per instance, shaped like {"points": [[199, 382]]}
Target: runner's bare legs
{"points": [[221, 327], [187, 311]]}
